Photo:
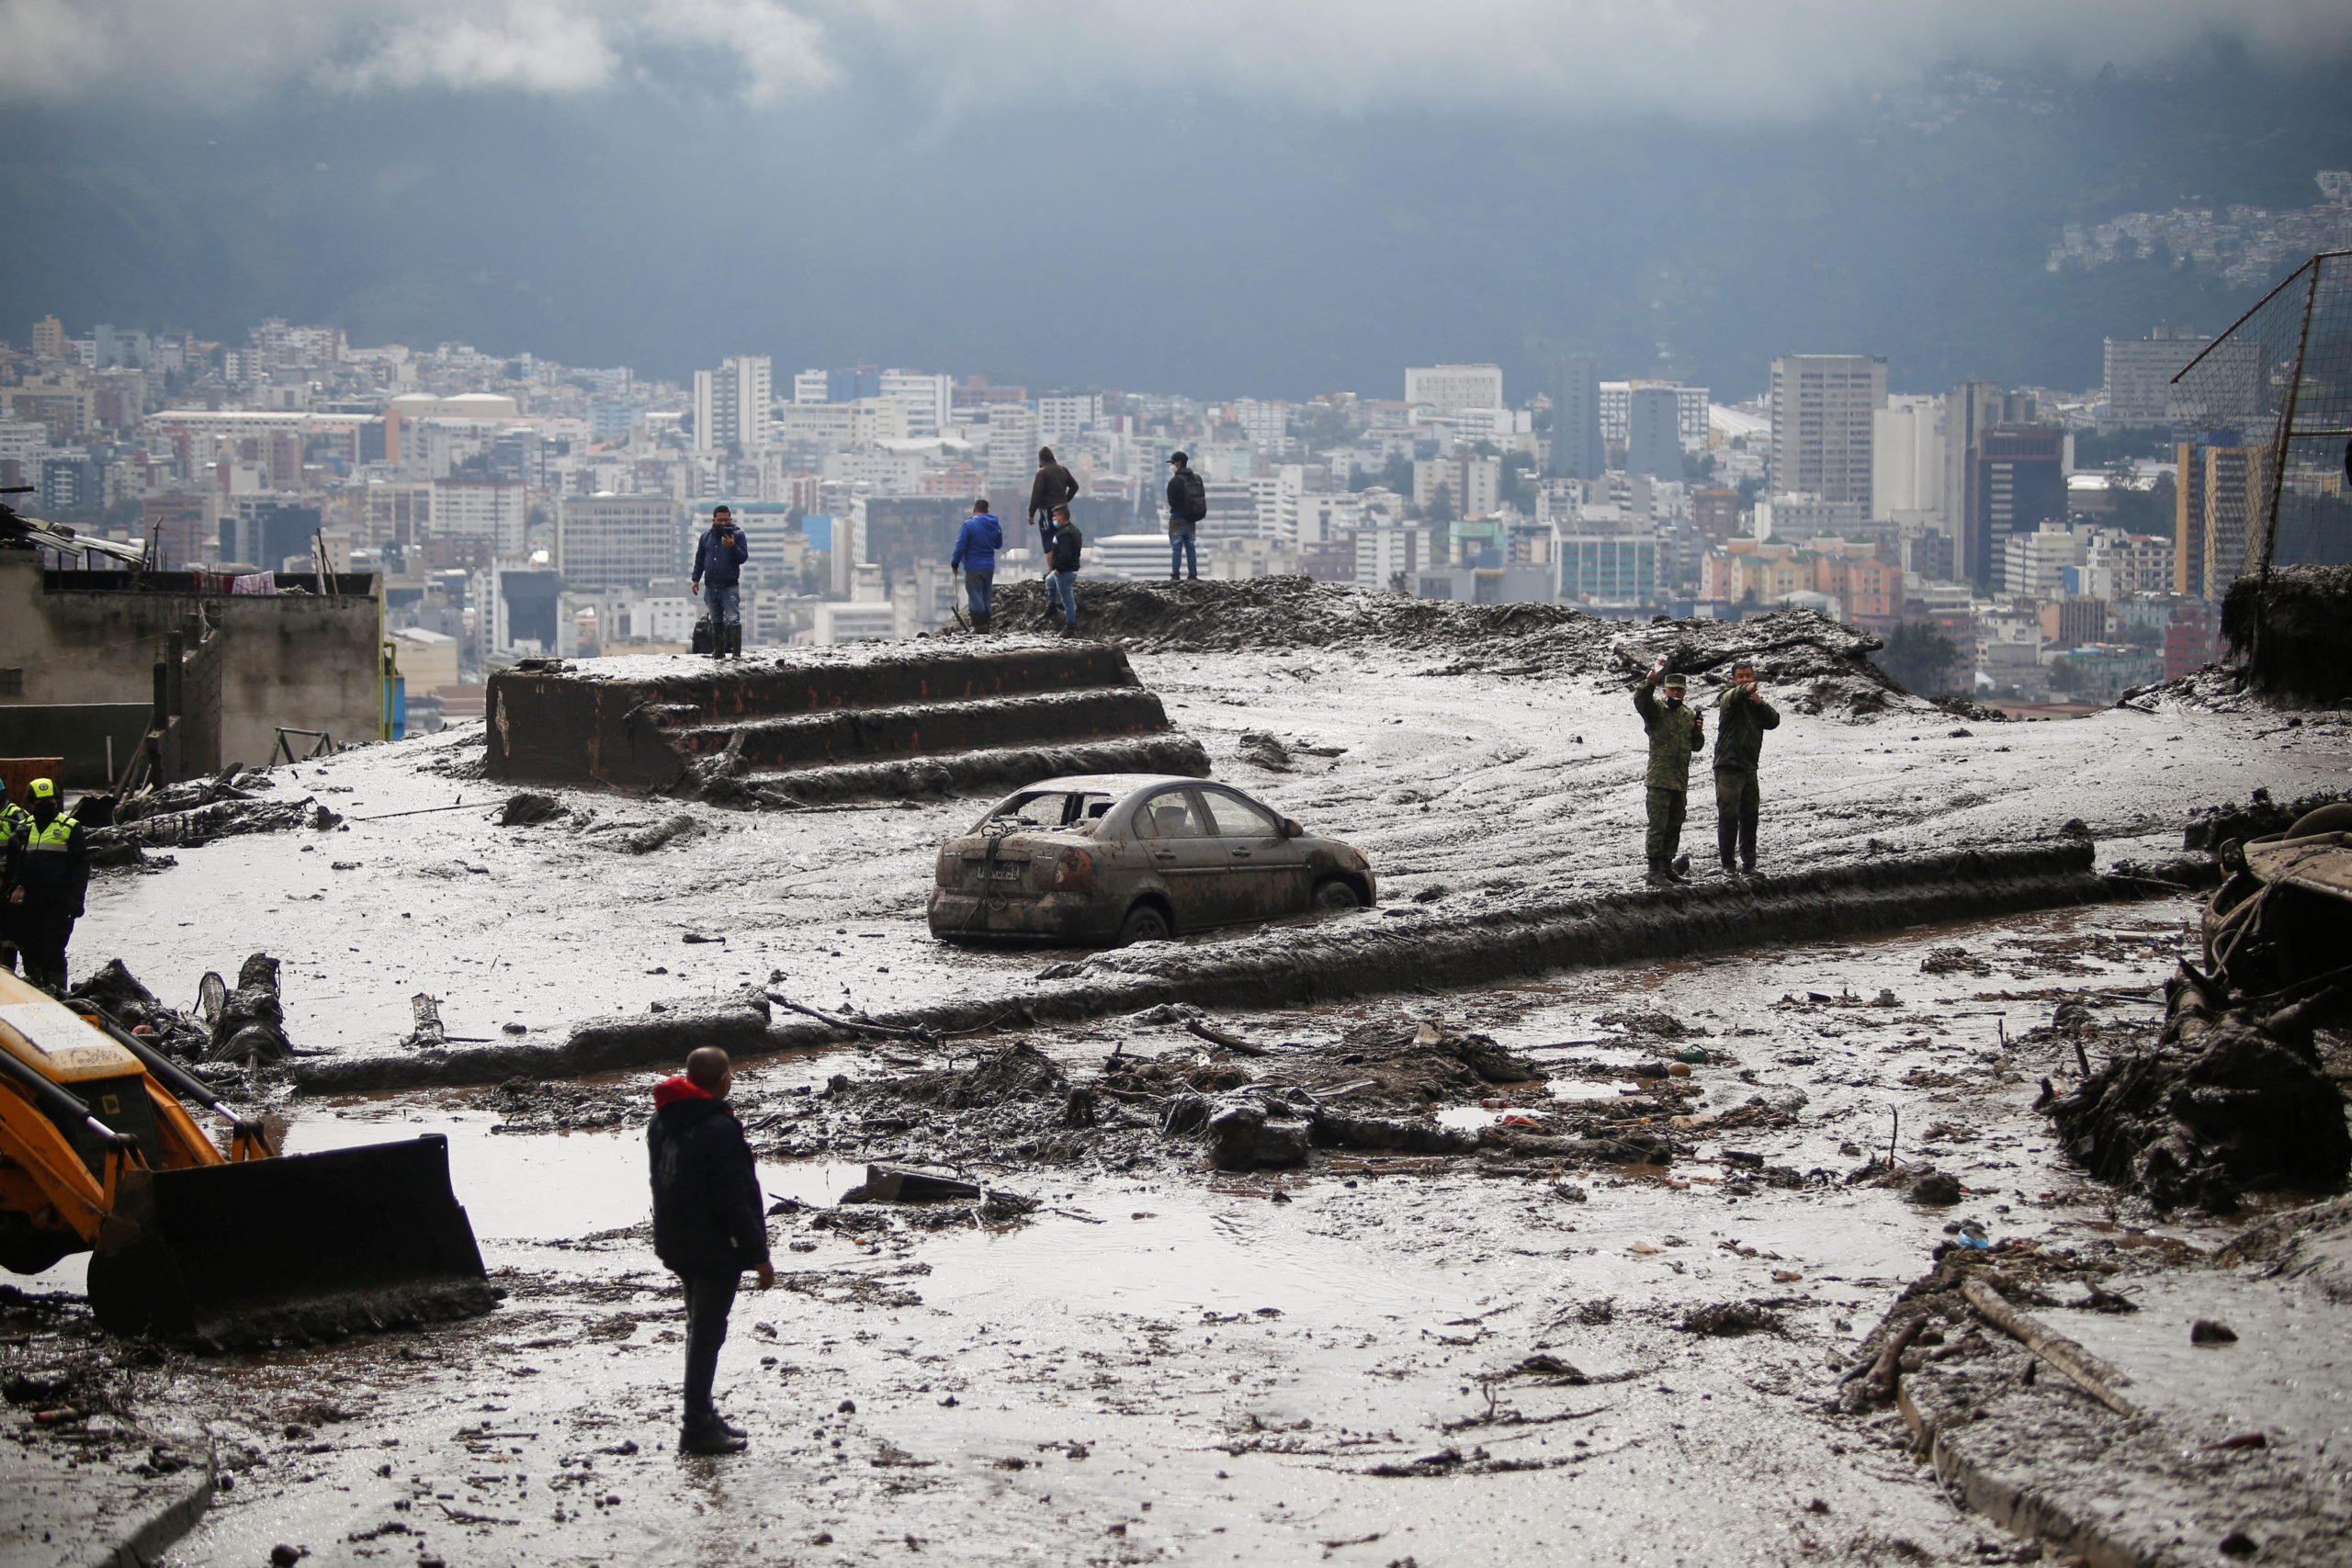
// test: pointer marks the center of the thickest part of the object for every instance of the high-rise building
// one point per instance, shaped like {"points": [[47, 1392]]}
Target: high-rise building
{"points": [[1576, 449], [2235, 479], [1972, 409], [2018, 483], [927, 398], [1446, 388], [1823, 409], [2189, 520], [1907, 460], [2140, 373], [1065, 416], [812, 387], [619, 541], [1653, 432], [493, 513], [49, 338], [732, 405]]}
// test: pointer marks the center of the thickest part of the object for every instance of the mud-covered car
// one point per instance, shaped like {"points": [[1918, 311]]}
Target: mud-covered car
{"points": [[1135, 857]]}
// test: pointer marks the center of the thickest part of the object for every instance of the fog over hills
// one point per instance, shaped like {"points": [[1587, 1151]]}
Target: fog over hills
{"points": [[1206, 197]]}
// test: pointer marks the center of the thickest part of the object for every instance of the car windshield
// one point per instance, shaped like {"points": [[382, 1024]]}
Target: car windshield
{"points": [[1077, 810]]}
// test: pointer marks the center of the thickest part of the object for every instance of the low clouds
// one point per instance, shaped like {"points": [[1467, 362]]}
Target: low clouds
{"points": [[1711, 61]]}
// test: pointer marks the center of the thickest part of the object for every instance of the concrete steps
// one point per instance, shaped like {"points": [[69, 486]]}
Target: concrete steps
{"points": [[835, 722]]}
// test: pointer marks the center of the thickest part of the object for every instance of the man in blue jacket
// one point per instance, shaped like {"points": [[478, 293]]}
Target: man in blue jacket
{"points": [[976, 546], [710, 1226], [719, 556]]}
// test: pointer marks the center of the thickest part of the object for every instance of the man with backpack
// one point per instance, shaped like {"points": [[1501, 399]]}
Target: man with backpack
{"points": [[1062, 543], [976, 546], [1052, 491], [1188, 503]]}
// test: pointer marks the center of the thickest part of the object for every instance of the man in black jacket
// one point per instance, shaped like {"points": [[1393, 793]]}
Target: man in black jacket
{"points": [[1188, 503], [1063, 542], [709, 1224], [1053, 487]]}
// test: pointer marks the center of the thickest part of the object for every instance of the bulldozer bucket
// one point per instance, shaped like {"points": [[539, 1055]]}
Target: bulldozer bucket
{"points": [[298, 1248]]}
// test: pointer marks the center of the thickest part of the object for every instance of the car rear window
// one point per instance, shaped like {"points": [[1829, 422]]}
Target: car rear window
{"points": [[1053, 808]]}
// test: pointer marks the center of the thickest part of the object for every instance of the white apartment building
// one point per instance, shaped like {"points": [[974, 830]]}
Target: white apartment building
{"points": [[1793, 519], [496, 511], [1693, 418], [1125, 555], [1267, 424], [1013, 456], [1242, 509], [2140, 373], [925, 397], [2034, 566], [1824, 406], [839, 621], [732, 404], [835, 426], [1907, 460], [1065, 416], [812, 387], [1383, 555], [1472, 484], [1446, 388], [619, 541]]}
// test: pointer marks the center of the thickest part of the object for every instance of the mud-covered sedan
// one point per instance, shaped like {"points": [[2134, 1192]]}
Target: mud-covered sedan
{"points": [[1135, 857]]}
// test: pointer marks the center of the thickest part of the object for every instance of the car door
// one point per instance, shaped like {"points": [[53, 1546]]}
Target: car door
{"points": [[1266, 873], [1186, 854]]}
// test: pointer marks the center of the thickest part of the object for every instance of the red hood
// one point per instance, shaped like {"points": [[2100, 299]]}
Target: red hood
{"points": [[672, 1090]]}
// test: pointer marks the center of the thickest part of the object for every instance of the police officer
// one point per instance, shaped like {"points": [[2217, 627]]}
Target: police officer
{"points": [[15, 821], [48, 872]]}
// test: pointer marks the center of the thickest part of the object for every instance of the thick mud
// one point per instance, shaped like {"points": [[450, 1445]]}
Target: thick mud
{"points": [[1613, 1361]]}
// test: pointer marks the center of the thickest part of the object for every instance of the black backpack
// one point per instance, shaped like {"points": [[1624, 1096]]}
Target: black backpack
{"points": [[1195, 494]]}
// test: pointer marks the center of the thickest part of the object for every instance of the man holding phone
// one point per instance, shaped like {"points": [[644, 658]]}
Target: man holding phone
{"points": [[717, 578]]}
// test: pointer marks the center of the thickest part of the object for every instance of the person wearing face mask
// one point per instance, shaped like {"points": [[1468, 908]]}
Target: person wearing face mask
{"points": [[1676, 735]]}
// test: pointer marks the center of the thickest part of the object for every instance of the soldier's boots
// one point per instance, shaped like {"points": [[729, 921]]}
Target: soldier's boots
{"points": [[1658, 875]]}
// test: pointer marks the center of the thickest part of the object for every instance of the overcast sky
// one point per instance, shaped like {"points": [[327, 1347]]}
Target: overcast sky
{"points": [[1206, 194]]}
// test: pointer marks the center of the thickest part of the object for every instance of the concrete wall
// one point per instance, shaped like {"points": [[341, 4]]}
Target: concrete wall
{"points": [[304, 662], [78, 733]]}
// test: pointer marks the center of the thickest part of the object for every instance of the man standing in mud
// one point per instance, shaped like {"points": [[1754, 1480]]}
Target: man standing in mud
{"points": [[1742, 716], [1676, 735], [710, 1226]]}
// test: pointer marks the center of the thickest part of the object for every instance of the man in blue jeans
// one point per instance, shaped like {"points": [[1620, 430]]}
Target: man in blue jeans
{"points": [[719, 556], [1188, 503], [1061, 575], [976, 546]]}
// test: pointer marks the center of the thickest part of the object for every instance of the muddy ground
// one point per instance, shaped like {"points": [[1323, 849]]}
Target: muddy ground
{"points": [[1525, 1351], [1469, 788]]}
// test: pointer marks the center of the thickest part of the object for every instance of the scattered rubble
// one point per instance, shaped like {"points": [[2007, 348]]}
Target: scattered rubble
{"points": [[1822, 667], [250, 1026], [2304, 651]]}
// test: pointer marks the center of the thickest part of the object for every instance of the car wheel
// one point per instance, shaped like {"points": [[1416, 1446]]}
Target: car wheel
{"points": [[1335, 895], [1145, 923]]}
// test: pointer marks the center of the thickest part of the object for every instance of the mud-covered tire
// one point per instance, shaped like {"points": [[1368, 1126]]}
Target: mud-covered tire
{"points": [[1145, 923], [1335, 897]]}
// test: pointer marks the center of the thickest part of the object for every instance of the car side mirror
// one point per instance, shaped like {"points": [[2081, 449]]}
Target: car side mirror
{"points": [[1290, 829]]}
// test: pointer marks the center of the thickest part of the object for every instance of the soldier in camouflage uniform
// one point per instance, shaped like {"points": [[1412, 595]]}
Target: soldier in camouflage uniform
{"points": [[1676, 735], [1742, 716]]}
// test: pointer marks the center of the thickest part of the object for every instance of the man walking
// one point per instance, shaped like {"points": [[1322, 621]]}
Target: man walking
{"points": [[1052, 491], [1742, 716], [719, 556], [1188, 503], [46, 875], [977, 544], [1064, 543], [710, 1226], [1676, 734]]}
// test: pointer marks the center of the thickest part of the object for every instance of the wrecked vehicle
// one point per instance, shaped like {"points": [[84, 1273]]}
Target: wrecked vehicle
{"points": [[1136, 857]]}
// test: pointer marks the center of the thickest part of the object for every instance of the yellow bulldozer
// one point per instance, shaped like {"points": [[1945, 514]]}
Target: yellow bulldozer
{"points": [[191, 1244]]}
